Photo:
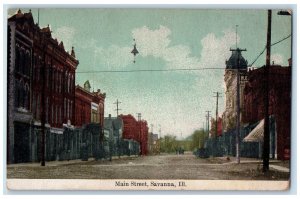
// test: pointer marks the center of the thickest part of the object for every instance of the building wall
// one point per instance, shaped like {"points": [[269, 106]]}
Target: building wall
{"points": [[279, 102], [41, 79], [229, 115], [89, 107]]}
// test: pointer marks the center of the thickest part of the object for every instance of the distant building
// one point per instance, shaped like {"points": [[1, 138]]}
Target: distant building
{"points": [[153, 143], [114, 127], [136, 130], [41, 80], [89, 105], [279, 105], [143, 136]]}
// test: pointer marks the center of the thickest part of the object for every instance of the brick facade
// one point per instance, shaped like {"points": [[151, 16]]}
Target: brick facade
{"points": [[279, 102]]}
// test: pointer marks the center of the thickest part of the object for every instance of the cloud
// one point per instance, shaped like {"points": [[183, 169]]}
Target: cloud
{"points": [[66, 35], [113, 57], [277, 59], [152, 42], [215, 50]]}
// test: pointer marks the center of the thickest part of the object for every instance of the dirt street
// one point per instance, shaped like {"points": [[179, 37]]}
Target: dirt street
{"points": [[147, 167]]}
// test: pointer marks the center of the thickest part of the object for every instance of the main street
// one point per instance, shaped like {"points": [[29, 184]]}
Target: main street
{"points": [[166, 166]]}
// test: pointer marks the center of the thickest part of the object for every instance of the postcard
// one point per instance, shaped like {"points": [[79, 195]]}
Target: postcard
{"points": [[148, 99]]}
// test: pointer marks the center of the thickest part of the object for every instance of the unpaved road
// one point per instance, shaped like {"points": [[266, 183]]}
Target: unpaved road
{"points": [[148, 167]]}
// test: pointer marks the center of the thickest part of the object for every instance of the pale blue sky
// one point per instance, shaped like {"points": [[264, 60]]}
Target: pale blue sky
{"points": [[166, 39]]}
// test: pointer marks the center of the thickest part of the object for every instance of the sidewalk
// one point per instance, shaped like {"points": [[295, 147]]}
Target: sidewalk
{"points": [[65, 162], [272, 165]]}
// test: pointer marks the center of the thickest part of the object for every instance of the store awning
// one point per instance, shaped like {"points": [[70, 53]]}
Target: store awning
{"points": [[257, 134]]}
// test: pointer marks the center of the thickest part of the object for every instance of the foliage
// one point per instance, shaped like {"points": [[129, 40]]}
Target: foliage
{"points": [[198, 139]]}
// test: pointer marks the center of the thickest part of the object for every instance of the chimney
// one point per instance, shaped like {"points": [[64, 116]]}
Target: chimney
{"points": [[290, 62]]}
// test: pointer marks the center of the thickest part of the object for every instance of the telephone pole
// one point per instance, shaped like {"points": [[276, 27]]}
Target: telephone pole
{"points": [[207, 119], [140, 129], [117, 103], [216, 130], [266, 150], [238, 104]]}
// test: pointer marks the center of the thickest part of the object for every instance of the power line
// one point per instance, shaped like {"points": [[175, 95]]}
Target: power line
{"points": [[175, 69], [150, 70], [265, 48], [281, 40]]}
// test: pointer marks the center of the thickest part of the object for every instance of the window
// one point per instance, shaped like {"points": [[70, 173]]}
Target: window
{"points": [[65, 108], [47, 109], [34, 105], [38, 106], [17, 59], [27, 63], [52, 113], [71, 109], [56, 114], [26, 97], [17, 93]]}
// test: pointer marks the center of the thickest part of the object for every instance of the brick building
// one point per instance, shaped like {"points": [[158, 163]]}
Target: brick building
{"points": [[89, 106], [41, 79], [143, 136], [136, 130], [279, 103], [130, 130]]}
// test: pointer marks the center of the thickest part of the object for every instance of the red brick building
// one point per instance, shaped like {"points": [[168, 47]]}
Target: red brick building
{"points": [[89, 106], [279, 102], [41, 79], [130, 130], [143, 136], [136, 130]]}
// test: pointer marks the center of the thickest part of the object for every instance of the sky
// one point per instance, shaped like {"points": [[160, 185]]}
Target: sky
{"points": [[176, 101]]}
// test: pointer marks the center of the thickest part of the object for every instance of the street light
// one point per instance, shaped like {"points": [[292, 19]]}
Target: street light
{"points": [[284, 12]]}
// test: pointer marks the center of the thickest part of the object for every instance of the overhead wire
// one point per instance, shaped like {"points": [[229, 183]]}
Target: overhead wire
{"points": [[178, 69]]}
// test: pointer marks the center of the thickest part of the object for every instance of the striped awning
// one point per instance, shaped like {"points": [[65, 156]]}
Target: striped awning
{"points": [[257, 134]]}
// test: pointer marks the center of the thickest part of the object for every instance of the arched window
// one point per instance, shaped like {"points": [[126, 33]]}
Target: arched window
{"points": [[69, 82], [71, 109], [27, 63], [34, 105], [65, 108], [26, 96], [52, 114], [17, 93], [53, 79], [34, 67], [60, 81], [66, 82], [22, 61], [21, 94], [17, 58]]}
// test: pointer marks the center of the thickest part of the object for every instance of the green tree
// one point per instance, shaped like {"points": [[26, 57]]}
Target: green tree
{"points": [[198, 139]]}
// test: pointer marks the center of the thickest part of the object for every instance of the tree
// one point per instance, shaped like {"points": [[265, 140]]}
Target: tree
{"points": [[198, 139]]}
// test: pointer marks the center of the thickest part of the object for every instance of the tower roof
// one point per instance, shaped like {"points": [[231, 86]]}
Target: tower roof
{"points": [[232, 63]]}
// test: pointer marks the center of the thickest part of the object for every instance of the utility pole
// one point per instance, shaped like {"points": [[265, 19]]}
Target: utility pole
{"points": [[140, 125], [207, 119], [266, 150], [216, 130], [238, 50], [117, 103]]}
